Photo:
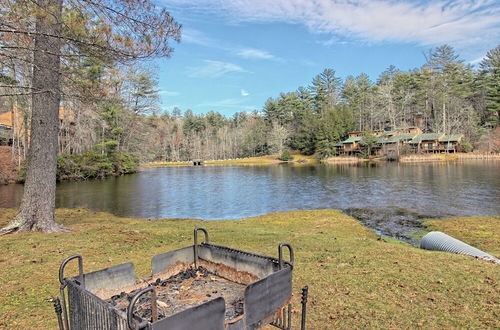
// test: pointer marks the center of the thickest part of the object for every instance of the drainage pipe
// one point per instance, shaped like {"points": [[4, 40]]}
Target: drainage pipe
{"points": [[438, 241]]}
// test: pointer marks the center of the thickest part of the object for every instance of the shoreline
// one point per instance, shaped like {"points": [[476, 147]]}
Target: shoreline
{"points": [[308, 160], [448, 157], [250, 161]]}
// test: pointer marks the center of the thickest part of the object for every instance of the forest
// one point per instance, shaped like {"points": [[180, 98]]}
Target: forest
{"points": [[111, 110]]}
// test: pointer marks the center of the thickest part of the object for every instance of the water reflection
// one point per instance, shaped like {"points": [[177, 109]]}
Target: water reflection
{"points": [[230, 192]]}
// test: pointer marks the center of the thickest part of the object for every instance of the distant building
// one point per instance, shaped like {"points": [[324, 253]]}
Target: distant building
{"points": [[427, 142], [6, 120], [393, 142], [11, 119]]}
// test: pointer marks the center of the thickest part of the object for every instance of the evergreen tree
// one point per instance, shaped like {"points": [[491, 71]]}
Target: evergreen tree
{"points": [[490, 76]]}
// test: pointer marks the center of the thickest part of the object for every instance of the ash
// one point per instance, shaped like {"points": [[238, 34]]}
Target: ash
{"points": [[184, 290]]}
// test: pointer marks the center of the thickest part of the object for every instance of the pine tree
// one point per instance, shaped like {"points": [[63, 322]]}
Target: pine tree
{"points": [[490, 76], [121, 30]]}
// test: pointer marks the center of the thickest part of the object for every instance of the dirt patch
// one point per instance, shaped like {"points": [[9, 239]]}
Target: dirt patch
{"points": [[8, 171]]}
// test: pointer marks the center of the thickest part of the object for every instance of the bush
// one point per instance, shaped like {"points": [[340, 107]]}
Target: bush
{"points": [[466, 146], [285, 155], [92, 164]]}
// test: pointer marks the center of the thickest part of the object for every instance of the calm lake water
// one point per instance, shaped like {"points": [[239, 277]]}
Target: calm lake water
{"points": [[230, 192]]}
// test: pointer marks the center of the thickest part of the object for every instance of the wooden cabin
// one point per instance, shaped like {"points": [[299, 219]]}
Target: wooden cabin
{"points": [[6, 120], [11, 119], [395, 143], [426, 142], [392, 142], [410, 130], [351, 145], [450, 143], [356, 134]]}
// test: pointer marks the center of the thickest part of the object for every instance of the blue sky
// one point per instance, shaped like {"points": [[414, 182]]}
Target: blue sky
{"points": [[235, 54]]}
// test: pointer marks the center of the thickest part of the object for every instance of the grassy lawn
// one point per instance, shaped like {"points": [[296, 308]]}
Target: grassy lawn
{"points": [[480, 232], [356, 279], [262, 160]]}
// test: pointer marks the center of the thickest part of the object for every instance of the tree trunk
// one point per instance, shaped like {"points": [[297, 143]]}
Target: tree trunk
{"points": [[38, 204], [444, 117]]}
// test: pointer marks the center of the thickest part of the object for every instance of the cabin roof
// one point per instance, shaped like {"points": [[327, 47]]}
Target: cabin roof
{"points": [[426, 137], [353, 139], [451, 138], [409, 136], [396, 138]]}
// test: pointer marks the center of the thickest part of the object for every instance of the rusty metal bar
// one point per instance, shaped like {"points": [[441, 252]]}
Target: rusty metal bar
{"points": [[130, 309], [58, 310], [289, 321], [283, 319], [80, 269], [154, 307], [305, 291], [280, 254], [62, 280], [196, 243]]}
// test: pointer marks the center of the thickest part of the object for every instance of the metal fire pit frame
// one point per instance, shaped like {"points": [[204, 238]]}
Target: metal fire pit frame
{"points": [[266, 300]]}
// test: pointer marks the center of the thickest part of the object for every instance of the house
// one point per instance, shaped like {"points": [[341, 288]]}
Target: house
{"points": [[394, 141], [5, 135], [6, 120], [426, 142], [410, 130], [11, 119], [450, 143], [356, 134], [351, 145]]}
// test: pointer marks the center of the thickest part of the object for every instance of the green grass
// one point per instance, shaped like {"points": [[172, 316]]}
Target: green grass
{"points": [[166, 164], [356, 279], [297, 159], [480, 232]]}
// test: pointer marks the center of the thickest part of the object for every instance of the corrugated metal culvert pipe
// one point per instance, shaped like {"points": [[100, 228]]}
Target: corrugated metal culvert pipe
{"points": [[438, 241]]}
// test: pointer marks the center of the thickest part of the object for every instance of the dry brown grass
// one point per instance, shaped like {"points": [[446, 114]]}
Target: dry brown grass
{"points": [[480, 232], [447, 157], [356, 279]]}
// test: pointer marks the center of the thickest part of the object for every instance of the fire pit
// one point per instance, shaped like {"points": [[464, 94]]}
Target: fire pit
{"points": [[202, 286]]}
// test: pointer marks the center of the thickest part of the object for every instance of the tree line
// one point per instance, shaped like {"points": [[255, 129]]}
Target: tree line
{"points": [[114, 108], [445, 95]]}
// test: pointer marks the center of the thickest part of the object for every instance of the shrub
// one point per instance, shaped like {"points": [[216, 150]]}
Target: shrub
{"points": [[466, 146], [90, 164], [285, 155]]}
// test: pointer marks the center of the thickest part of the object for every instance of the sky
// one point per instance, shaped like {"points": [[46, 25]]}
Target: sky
{"points": [[235, 54]]}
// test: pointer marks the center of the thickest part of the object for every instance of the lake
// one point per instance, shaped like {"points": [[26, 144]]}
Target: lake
{"points": [[231, 192]]}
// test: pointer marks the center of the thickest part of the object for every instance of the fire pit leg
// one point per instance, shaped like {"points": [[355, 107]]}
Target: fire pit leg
{"points": [[280, 253], [196, 243], [58, 310], [305, 291]]}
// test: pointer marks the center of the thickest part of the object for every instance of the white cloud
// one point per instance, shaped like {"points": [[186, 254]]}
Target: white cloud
{"points": [[463, 23], [168, 93], [196, 37], [199, 38], [477, 60], [214, 69], [253, 53], [244, 92]]}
